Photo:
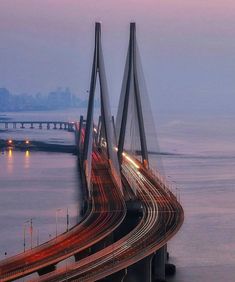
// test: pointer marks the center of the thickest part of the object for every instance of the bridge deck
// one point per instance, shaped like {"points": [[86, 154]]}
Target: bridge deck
{"points": [[106, 213], [162, 217]]}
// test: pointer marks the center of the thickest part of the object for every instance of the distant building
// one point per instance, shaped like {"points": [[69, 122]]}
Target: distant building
{"points": [[61, 98], [4, 98]]}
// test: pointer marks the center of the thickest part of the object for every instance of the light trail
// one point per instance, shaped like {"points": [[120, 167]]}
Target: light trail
{"points": [[162, 217], [106, 213]]}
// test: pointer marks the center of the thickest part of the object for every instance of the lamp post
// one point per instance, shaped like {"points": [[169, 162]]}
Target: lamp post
{"points": [[31, 233], [37, 237], [67, 220], [56, 222], [24, 236]]}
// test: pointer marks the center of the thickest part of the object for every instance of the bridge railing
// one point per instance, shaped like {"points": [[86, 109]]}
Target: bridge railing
{"points": [[169, 186]]}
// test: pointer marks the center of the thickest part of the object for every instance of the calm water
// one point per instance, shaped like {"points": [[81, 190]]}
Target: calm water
{"points": [[201, 162], [35, 185], [204, 170]]}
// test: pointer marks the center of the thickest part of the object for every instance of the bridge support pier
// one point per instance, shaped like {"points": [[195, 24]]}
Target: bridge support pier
{"points": [[14, 125], [78, 135], [22, 125], [40, 126], [70, 127], [159, 265], [31, 127], [6, 125], [48, 126], [140, 271]]}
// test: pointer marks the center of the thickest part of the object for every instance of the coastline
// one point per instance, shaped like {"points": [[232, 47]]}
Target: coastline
{"points": [[38, 146]]}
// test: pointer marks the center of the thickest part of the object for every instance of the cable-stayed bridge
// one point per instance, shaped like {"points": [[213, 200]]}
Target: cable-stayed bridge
{"points": [[130, 212]]}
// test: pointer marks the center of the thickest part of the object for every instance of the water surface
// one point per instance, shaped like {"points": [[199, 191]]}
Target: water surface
{"points": [[200, 161]]}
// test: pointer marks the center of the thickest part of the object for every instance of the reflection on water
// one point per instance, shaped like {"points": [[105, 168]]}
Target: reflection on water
{"points": [[34, 185], [27, 159], [9, 153], [27, 154], [10, 161]]}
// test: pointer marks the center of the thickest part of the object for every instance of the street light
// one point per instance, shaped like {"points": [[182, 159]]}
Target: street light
{"points": [[67, 221], [37, 237], [25, 235], [10, 142], [31, 233], [56, 221]]}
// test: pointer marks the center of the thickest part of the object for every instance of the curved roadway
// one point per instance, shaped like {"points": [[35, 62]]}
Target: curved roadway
{"points": [[162, 218], [106, 213]]}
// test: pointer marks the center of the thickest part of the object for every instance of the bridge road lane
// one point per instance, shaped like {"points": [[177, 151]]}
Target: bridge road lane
{"points": [[162, 218], [107, 212]]}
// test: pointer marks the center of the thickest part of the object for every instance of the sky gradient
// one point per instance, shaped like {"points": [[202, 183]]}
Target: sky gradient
{"points": [[187, 48]]}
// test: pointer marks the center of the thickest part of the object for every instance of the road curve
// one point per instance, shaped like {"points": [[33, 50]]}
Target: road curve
{"points": [[106, 213], [162, 218]]}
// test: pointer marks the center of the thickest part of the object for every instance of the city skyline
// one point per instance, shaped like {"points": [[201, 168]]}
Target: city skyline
{"points": [[60, 98]]}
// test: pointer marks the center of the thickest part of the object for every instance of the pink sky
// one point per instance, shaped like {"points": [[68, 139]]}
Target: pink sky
{"points": [[21, 13], [193, 36]]}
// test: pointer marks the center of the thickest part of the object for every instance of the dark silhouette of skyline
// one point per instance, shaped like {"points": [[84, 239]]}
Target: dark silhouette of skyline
{"points": [[61, 98]]}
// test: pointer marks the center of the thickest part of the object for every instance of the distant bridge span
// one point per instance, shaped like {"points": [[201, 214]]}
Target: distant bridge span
{"points": [[66, 125]]}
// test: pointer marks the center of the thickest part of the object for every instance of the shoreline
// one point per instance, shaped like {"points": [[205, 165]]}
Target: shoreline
{"points": [[38, 146]]}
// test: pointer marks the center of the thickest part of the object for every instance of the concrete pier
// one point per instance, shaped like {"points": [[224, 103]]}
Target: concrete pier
{"points": [[158, 265], [140, 271]]}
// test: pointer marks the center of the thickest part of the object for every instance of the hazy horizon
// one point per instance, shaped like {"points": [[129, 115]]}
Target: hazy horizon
{"points": [[187, 48]]}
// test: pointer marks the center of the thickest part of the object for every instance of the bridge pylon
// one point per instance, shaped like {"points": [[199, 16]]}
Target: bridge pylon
{"points": [[130, 103], [105, 130]]}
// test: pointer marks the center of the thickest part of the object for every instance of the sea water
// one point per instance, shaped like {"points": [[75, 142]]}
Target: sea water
{"points": [[198, 160], [201, 164]]}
